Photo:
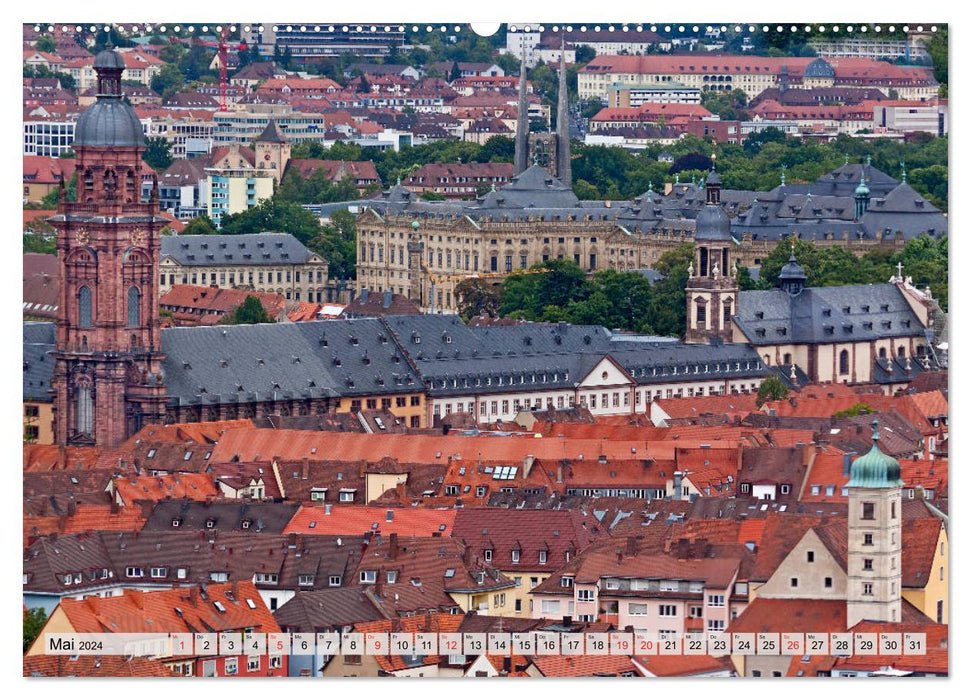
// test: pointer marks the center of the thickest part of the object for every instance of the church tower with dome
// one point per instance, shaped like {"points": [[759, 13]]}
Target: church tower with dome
{"points": [[107, 379], [873, 562], [712, 291]]}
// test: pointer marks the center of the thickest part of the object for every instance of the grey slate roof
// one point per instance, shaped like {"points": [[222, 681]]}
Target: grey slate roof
{"points": [[231, 364], [226, 517], [850, 313], [246, 249], [38, 342], [109, 122], [673, 362]]}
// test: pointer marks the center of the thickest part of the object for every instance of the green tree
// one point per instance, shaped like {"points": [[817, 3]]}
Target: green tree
{"points": [[34, 620], [857, 409], [249, 312], [273, 215], [39, 243], [200, 226], [771, 389], [668, 311], [70, 193], [158, 153], [498, 149], [168, 81], [336, 243], [476, 296], [46, 43], [455, 74], [172, 52]]}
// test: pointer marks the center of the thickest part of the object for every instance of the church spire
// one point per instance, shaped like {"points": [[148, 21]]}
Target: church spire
{"points": [[564, 166], [522, 120]]}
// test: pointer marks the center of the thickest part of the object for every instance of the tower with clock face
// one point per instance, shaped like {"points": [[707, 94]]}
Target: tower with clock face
{"points": [[107, 378]]}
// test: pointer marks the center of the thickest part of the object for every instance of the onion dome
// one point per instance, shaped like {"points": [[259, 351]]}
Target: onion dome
{"points": [[875, 470]]}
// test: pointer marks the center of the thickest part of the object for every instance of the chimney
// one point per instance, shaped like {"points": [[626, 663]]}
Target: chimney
{"points": [[193, 596], [305, 471], [559, 473], [428, 620], [393, 545], [387, 298], [72, 508], [137, 598], [677, 485], [235, 588], [528, 465], [467, 556], [631, 546], [363, 296], [620, 556]]}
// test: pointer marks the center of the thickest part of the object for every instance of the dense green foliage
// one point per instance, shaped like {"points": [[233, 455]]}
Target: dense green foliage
{"points": [[34, 620], [40, 243], [67, 80], [249, 312], [771, 389], [923, 258], [336, 243], [275, 216], [158, 153], [199, 226], [475, 296], [857, 409], [70, 192], [316, 189]]}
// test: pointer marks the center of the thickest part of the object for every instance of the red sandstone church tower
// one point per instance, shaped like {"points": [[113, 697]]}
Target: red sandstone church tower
{"points": [[107, 378]]}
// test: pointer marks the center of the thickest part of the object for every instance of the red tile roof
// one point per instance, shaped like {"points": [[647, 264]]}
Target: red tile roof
{"points": [[42, 458], [791, 615], [729, 404], [931, 404], [529, 532], [440, 623], [200, 301], [256, 444], [751, 530], [919, 540], [88, 518], [40, 665], [157, 611], [671, 666], [576, 666], [355, 520], [195, 487]]}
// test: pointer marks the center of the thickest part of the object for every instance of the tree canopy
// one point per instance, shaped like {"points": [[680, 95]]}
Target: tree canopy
{"points": [[249, 312]]}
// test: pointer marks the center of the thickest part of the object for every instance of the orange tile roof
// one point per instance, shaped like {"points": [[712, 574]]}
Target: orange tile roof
{"points": [[919, 545], [730, 404], [671, 666], [934, 661], [791, 615], [155, 611], [827, 470], [576, 666], [441, 623], [930, 403], [195, 487], [254, 444], [354, 520], [42, 458], [92, 517], [202, 433], [40, 665], [751, 530]]}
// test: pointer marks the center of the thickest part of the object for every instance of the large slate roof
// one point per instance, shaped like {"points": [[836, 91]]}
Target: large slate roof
{"points": [[38, 364], [246, 249], [231, 364], [851, 313]]}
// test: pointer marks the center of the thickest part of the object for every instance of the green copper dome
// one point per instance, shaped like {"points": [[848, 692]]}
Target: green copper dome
{"points": [[875, 470]]}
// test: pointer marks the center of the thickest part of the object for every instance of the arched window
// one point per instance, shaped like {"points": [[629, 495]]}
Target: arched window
{"points": [[702, 315], [134, 306], [84, 407], [727, 313], [84, 307], [883, 353], [844, 362], [787, 359], [901, 351]]}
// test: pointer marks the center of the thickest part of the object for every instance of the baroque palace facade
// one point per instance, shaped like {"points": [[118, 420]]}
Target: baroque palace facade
{"points": [[424, 249]]}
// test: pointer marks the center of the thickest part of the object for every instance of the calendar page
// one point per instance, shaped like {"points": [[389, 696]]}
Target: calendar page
{"points": [[447, 350]]}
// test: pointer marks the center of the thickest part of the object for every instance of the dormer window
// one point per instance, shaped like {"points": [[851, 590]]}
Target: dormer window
{"points": [[542, 556], [515, 556], [488, 555]]}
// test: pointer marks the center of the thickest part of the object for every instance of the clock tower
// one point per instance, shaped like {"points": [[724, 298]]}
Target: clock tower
{"points": [[107, 378]]}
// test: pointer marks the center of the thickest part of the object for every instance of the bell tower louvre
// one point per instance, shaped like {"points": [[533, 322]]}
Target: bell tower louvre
{"points": [[107, 378]]}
